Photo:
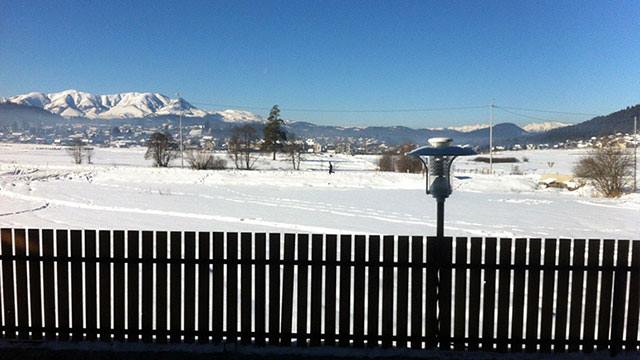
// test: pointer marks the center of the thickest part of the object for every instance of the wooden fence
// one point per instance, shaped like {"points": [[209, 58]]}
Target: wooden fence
{"points": [[316, 290]]}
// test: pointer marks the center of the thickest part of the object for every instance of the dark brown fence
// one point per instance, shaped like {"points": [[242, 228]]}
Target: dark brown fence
{"points": [[310, 290]]}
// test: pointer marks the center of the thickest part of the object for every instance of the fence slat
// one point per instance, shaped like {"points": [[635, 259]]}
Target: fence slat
{"points": [[590, 309], [533, 294], [416, 291], [345, 290], [232, 287], [316, 289], [62, 248], [147, 286], [460, 299], [76, 286], [245, 287], [634, 298], [606, 287], [360, 243], [104, 239], [189, 287], [274, 289], [387, 291], [118, 285], [402, 294], [504, 284], [444, 293], [474, 292], [287, 290], [619, 297], [162, 332], [373, 300], [133, 282], [90, 285], [303, 275], [48, 285], [517, 321], [217, 289], [175, 278], [6, 237], [488, 308], [204, 315], [260, 304], [34, 283], [22, 289], [562, 295], [330, 290], [431, 295], [577, 289], [546, 317]]}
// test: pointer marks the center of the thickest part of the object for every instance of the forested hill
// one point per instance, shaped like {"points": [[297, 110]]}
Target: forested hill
{"points": [[617, 122]]}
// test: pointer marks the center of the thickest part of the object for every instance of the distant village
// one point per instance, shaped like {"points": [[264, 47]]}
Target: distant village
{"points": [[198, 136]]}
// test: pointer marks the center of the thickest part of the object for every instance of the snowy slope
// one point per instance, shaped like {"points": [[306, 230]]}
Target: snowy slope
{"points": [[39, 187], [545, 126], [73, 103], [468, 128]]}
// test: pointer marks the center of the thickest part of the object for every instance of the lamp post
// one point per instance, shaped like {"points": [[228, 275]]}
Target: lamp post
{"points": [[437, 160]]}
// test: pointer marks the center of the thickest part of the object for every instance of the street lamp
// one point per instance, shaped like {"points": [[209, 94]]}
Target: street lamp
{"points": [[437, 160]]}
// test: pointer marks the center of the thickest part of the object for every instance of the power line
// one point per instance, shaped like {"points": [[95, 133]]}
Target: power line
{"points": [[523, 115], [434, 109], [548, 111]]}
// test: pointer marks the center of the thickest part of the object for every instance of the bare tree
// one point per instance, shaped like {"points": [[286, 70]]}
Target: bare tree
{"points": [[203, 159], [242, 146], [79, 151], [408, 164], [295, 149], [161, 148], [75, 150], [88, 154], [385, 163], [608, 168], [234, 148]]}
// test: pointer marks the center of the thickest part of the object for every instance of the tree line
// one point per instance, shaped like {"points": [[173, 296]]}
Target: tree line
{"points": [[244, 147]]}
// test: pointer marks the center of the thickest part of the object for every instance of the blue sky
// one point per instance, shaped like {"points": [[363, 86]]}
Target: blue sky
{"points": [[581, 56]]}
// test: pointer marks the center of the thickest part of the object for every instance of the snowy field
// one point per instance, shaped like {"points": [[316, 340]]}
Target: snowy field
{"points": [[40, 187]]}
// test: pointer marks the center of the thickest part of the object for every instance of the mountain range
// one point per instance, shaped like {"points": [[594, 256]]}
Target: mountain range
{"points": [[130, 105], [152, 108]]}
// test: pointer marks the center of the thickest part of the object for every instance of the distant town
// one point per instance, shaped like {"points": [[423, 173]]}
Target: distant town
{"points": [[201, 136]]}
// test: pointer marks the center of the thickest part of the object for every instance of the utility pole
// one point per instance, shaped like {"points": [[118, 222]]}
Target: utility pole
{"points": [[180, 136], [491, 139], [635, 153]]}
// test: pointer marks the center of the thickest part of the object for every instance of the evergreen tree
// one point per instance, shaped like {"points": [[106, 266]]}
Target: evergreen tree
{"points": [[274, 134]]}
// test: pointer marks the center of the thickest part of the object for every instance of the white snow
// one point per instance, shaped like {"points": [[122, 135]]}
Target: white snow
{"points": [[39, 187], [544, 126], [468, 128], [73, 103]]}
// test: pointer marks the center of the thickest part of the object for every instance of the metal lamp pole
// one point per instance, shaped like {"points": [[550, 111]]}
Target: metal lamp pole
{"points": [[437, 160]]}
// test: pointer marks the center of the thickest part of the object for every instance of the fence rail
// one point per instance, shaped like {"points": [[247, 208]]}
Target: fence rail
{"points": [[303, 290]]}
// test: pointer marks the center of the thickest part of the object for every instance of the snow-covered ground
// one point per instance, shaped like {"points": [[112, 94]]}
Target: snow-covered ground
{"points": [[40, 187]]}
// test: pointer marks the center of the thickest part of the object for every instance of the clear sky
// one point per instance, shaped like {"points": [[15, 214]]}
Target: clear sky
{"points": [[581, 56]]}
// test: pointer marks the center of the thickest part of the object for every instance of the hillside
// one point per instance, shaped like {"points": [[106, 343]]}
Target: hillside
{"points": [[619, 121]]}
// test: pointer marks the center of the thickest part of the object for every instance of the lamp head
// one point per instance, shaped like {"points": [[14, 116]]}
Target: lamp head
{"points": [[437, 160]]}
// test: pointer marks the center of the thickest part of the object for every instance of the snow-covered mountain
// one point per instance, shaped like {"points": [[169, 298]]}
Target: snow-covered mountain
{"points": [[468, 128], [533, 127], [238, 116], [73, 103], [545, 126]]}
